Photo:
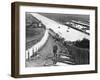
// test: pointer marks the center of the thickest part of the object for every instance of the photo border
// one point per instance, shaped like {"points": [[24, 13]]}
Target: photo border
{"points": [[15, 32]]}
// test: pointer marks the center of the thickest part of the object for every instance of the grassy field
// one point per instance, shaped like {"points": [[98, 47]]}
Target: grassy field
{"points": [[33, 32]]}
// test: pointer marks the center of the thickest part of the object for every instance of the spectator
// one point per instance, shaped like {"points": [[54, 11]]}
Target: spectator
{"points": [[55, 48]]}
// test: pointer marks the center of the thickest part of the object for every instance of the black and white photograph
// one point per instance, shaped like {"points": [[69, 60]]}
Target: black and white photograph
{"points": [[51, 39], [57, 39]]}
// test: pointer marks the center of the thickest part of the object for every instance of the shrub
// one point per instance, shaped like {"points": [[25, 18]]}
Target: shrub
{"points": [[82, 43]]}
